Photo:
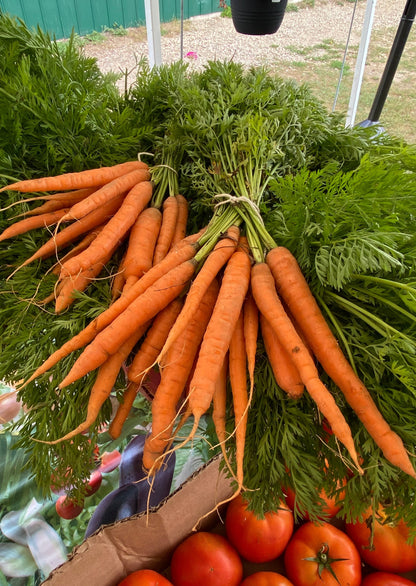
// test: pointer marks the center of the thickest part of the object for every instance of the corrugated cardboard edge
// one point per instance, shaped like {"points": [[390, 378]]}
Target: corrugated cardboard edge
{"points": [[146, 540]]}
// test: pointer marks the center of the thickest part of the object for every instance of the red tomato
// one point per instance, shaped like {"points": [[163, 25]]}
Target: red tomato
{"points": [[68, 509], [258, 540], [322, 554], [109, 461], [330, 509], [206, 559], [145, 578], [266, 579], [390, 552], [94, 483], [386, 579]]}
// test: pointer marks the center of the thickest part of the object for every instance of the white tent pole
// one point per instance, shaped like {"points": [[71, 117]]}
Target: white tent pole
{"points": [[151, 8], [360, 65]]}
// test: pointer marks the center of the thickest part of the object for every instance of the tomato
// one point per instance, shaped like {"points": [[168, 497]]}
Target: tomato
{"points": [[258, 540], [145, 578], [266, 579], [109, 461], [390, 551], [386, 579], [207, 559], [329, 510], [322, 554], [94, 483], [68, 509]]}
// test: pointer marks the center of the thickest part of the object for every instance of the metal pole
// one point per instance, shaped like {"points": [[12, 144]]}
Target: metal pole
{"points": [[360, 65], [151, 8], [393, 60]]}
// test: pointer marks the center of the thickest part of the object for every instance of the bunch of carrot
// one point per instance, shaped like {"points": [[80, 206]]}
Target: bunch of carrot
{"points": [[194, 306]]}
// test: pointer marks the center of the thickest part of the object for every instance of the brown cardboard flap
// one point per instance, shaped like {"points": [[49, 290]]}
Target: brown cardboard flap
{"points": [[146, 540]]}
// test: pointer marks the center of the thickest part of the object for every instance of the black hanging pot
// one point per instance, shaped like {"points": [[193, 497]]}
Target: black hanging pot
{"points": [[257, 17]]}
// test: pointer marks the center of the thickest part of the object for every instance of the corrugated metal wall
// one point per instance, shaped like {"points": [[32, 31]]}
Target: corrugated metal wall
{"points": [[60, 17]]}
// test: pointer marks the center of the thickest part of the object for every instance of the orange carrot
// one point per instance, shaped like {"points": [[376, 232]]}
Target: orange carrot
{"points": [[55, 201], [167, 229], [285, 372], [74, 230], [33, 223], [182, 219], [293, 288], [79, 282], [142, 242], [269, 304], [216, 341], [238, 382], [77, 248], [185, 250], [79, 180], [143, 308], [219, 412], [118, 280], [217, 258], [251, 328], [154, 341], [103, 385], [174, 375], [120, 185], [116, 228]]}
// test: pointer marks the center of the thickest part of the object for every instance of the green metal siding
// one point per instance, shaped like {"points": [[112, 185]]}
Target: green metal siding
{"points": [[60, 17]]}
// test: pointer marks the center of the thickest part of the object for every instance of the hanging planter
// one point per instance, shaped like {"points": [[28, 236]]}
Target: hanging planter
{"points": [[257, 17]]}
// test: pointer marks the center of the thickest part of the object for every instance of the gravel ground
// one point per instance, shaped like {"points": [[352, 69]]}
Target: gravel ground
{"points": [[214, 37]]}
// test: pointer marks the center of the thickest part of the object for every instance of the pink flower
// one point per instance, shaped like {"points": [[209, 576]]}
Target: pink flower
{"points": [[192, 55]]}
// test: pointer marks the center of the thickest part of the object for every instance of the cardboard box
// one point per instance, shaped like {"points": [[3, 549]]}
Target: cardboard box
{"points": [[145, 540]]}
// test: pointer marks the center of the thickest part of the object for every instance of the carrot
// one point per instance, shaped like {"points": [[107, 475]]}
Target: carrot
{"points": [[143, 360], [269, 304], [115, 229], [216, 259], [79, 180], [118, 280], [142, 242], [251, 328], [79, 282], [293, 288], [238, 382], [185, 250], [76, 249], [182, 219], [73, 231], [33, 223], [153, 342], [216, 341], [54, 201], [285, 372], [143, 308], [219, 411], [167, 229], [119, 185], [103, 385], [174, 375]]}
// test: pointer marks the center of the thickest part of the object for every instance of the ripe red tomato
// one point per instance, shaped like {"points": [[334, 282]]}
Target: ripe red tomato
{"points": [[208, 559], [322, 554], [390, 551], [109, 461], [258, 540], [266, 579], [386, 579], [68, 509], [145, 578], [94, 483]]}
